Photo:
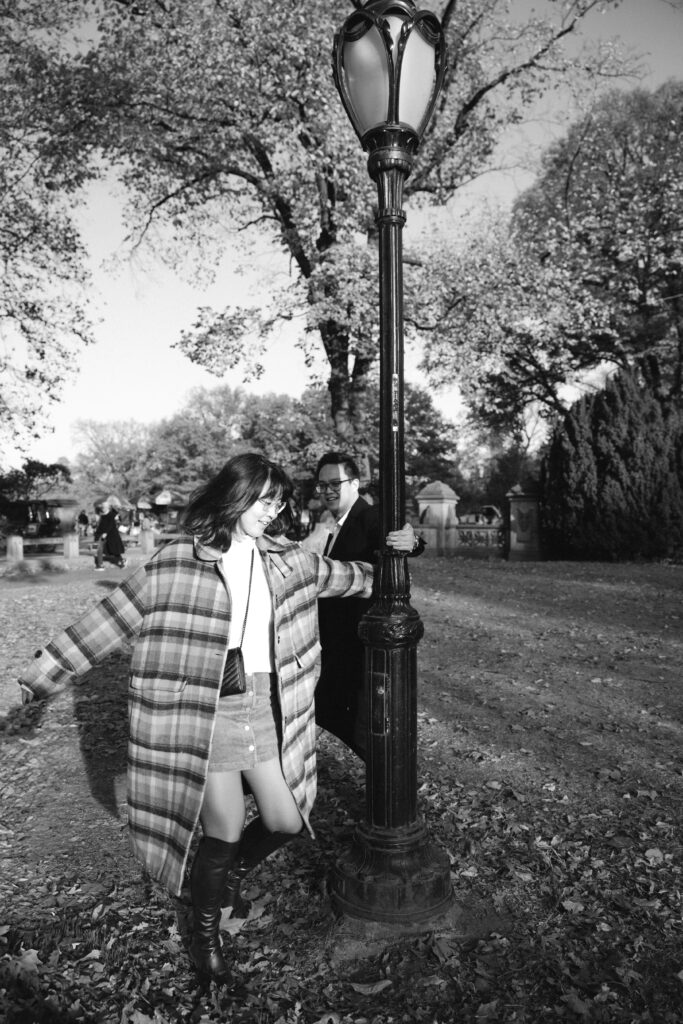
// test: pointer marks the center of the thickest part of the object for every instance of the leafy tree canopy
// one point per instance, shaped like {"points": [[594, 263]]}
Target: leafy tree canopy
{"points": [[43, 323], [186, 449], [227, 130], [430, 438], [113, 458], [590, 273], [216, 423], [33, 480]]}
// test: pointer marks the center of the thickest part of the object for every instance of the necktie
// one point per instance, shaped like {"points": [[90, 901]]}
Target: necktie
{"points": [[331, 539]]}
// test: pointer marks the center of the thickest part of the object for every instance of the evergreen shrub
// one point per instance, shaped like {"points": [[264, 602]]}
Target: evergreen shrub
{"points": [[612, 478]]}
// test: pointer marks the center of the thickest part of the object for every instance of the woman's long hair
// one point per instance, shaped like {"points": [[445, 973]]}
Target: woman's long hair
{"points": [[214, 508]]}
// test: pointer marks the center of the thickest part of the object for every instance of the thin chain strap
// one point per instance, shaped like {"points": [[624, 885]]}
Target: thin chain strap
{"points": [[246, 610]]}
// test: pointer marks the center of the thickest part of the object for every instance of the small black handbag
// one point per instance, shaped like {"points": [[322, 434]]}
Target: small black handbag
{"points": [[234, 679]]}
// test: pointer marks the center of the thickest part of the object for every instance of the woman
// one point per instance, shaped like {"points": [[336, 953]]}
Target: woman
{"points": [[225, 584]]}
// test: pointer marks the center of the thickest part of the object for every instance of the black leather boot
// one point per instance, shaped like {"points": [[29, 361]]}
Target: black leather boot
{"points": [[212, 865], [257, 844], [232, 896]]}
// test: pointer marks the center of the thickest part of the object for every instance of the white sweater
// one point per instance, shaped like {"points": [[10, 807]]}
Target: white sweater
{"points": [[257, 646]]}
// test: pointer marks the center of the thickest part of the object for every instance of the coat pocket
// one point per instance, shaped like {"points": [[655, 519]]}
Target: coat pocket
{"points": [[298, 691], [157, 688], [307, 660]]}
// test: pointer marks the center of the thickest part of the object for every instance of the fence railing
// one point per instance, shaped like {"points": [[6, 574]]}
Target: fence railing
{"points": [[478, 539], [474, 539], [66, 545]]}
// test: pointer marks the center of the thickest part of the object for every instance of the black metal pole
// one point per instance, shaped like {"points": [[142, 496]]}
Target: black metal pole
{"points": [[391, 872]]}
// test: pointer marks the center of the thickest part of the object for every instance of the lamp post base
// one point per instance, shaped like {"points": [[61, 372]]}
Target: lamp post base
{"points": [[392, 875]]}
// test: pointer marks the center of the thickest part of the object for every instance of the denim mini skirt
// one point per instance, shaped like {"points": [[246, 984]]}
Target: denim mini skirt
{"points": [[245, 733]]}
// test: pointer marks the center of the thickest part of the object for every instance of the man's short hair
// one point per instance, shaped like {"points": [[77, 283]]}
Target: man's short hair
{"points": [[339, 459]]}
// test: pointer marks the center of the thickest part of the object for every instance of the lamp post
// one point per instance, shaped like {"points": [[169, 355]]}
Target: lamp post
{"points": [[388, 64]]}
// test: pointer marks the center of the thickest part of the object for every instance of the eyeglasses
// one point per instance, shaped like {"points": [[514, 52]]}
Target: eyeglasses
{"points": [[330, 485], [275, 507]]}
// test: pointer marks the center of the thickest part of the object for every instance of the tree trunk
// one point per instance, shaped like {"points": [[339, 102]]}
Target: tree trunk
{"points": [[342, 384]]}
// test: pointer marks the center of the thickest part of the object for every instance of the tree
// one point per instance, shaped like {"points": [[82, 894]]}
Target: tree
{"points": [[608, 214], [114, 458], [612, 481], [504, 331], [288, 430], [33, 480], [590, 274], [186, 449], [216, 423], [43, 323], [488, 463], [225, 124], [430, 439]]}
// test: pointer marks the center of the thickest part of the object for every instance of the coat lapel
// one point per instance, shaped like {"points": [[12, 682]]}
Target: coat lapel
{"points": [[347, 530]]}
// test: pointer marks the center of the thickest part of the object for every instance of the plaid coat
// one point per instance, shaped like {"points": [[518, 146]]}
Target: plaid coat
{"points": [[176, 609]]}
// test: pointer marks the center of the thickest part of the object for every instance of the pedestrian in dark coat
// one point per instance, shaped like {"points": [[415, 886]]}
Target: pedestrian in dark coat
{"points": [[110, 546], [223, 602]]}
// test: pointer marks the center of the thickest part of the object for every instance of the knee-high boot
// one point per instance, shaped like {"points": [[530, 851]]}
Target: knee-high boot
{"points": [[210, 869], [257, 844]]}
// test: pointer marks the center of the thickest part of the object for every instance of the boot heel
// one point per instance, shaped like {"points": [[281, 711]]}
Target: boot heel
{"points": [[210, 964]]}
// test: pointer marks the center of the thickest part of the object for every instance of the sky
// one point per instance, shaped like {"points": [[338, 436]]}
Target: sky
{"points": [[133, 373]]}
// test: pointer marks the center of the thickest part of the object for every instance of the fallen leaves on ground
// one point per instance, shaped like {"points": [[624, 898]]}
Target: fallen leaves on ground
{"points": [[566, 852]]}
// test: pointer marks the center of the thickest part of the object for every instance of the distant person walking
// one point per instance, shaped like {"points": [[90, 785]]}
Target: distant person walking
{"points": [[83, 523], [110, 546]]}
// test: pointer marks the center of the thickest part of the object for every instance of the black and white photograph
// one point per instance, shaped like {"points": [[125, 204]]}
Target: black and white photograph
{"points": [[341, 511]]}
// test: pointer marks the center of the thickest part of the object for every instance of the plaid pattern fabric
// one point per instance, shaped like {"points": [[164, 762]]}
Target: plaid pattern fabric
{"points": [[176, 608]]}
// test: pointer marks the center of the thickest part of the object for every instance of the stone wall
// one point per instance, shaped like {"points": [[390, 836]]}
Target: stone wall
{"points": [[514, 535]]}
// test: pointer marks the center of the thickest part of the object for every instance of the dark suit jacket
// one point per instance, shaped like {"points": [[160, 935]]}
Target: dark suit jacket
{"points": [[357, 541], [339, 692], [339, 689]]}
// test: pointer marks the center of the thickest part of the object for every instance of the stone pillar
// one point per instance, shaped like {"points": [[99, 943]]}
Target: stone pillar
{"points": [[437, 504], [524, 526], [15, 548], [147, 545], [71, 548]]}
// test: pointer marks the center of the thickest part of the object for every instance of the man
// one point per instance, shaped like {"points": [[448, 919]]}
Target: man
{"points": [[354, 536]]}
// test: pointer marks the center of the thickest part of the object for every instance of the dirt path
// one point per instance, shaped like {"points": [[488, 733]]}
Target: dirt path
{"points": [[558, 670], [550, 768], [544, 673]]}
